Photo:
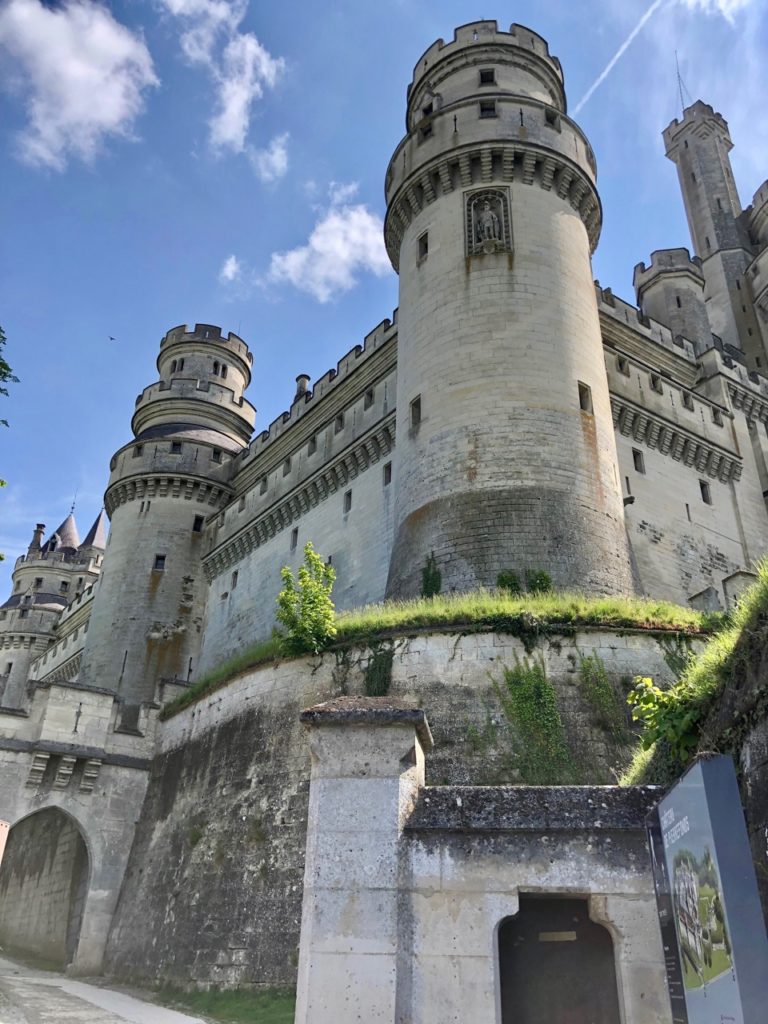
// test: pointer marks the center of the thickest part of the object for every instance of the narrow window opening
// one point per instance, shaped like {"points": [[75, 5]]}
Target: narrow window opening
{"points": [[416, 412], [706, 242], [688, 511], [626, 481], [23, 613], [64, 586], [263, 485], [656, 383], [424, 245], [137, 450], [719, 205], [241, 504], [551, 118], [312, 446], [487, 108], [159, 565], [638, 460], [623, 365], [233, 581], [387, 474], [685, 143], [197, 524], [693, 177], [585, 397], [706, 492], [141, 508], [487, 76], [180, 365], [216, 455], [223, 370], [368, 399], [427, 109], [717, 417], [175, 447], [38, 582], [347, 501], [173, 366], [688, 401], [287, 466], [426, 130], [738, 286], [338, 425], [216, 367], [677, 300], [294, 538]]}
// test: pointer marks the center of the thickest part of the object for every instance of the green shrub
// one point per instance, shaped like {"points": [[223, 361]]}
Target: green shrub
{"points": [[431, 577], [538, 581], [304, 607], [510, 582]]}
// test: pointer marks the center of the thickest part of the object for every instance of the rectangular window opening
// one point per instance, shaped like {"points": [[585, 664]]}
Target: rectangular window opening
{"points": [[38, 582], [688, 401], [241, 504], [688, 511], [717, 417], [424, 245], [487, 108], [347, 501], [263, 485], [159, 565], [338, 424], [656, 383], [287, 466], [368, 399], [197, 524], [233, 581], [626, 481], [638, 460], [416, 412], [137, 450], [706, 492], [294, 538], [585, 397], [552, 118], [387, 474], [487, 76], [175, 447], [312, 446], [623, 365], [64, 586], [216, 455]]}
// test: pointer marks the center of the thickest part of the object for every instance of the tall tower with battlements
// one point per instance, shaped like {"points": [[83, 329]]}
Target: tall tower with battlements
{"points": [[699, 145], [506, 457], [163, 486]]}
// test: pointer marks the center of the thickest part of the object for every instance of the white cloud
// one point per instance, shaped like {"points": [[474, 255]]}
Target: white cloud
{"points": [[728, 8], [239, 66], [345, 242], [231, 270], [271, 163], [83, 75]]}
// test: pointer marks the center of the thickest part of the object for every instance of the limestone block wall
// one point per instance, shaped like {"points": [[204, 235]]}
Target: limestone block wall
{"points": [[215, 873]]}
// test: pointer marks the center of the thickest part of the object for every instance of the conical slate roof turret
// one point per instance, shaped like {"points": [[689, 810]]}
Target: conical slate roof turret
{"points": [[66, 536], [97, 535]]}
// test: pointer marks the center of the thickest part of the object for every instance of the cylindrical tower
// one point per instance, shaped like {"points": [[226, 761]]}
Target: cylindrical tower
{"points": [[671, 290], [506, 456], [187, 426]]}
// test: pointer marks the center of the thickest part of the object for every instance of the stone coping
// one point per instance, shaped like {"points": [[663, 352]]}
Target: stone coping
{"points": [[532, 808], [74, 750], [369, 711]]}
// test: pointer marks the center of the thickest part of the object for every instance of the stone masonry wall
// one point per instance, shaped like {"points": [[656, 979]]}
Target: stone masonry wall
{"points": [[215, 873]]}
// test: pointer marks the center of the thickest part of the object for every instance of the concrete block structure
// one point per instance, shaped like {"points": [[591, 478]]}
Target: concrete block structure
{"points": [[511, 415]]}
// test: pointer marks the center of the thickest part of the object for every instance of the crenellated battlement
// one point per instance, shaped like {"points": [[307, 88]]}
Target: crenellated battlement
{"points": [[210, 334], [700, 120], [667, 262], [323, 386], [609, 305], [483, 34]]}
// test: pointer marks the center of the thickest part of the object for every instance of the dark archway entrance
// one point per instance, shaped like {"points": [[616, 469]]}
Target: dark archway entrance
{"points": [[43, 886], [556, 965]]}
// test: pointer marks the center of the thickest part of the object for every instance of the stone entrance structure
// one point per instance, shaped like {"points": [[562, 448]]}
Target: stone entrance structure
{"points": [[419, 898]]}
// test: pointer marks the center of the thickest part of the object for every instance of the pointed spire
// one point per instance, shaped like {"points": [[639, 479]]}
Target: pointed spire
{"points": [[97, 535], [66, 535]]}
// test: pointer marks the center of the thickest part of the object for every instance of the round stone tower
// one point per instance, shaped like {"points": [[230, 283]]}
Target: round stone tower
{"points": [[506, 456], [671, 290], [164, 484]]}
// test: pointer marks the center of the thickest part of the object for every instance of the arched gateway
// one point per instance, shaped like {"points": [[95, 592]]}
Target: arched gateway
{"points": [[43, 885]]}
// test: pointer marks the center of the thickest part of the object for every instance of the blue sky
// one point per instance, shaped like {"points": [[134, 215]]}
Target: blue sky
{"points": [[172, 161]]}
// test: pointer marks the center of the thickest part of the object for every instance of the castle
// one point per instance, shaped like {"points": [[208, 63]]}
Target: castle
{"points": [[511, 415]]}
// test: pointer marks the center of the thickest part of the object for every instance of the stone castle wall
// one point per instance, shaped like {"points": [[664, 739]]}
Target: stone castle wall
{"points": [[215, 873]]}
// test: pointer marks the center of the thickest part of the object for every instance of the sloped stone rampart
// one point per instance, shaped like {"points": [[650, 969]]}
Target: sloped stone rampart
{"points": [[216, 871]]}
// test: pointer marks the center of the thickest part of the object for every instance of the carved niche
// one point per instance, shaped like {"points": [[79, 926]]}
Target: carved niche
{"points": [[487, 223]]}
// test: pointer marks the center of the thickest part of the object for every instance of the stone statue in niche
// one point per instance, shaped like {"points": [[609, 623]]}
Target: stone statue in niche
{"points": [[488, 228]]}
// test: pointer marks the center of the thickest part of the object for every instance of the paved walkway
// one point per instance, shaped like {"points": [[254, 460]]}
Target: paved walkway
{"points": [[30, 996]]}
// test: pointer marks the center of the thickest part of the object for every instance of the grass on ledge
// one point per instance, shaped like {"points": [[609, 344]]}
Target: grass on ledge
{"points": [[476, 611], [235, 1006]]}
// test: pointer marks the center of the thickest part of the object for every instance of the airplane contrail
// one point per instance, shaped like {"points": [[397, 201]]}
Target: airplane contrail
{"points": [[618, 55]]}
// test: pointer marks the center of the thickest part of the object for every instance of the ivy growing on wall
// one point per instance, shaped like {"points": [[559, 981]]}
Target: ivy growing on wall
{"points": [[530, 705]]}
